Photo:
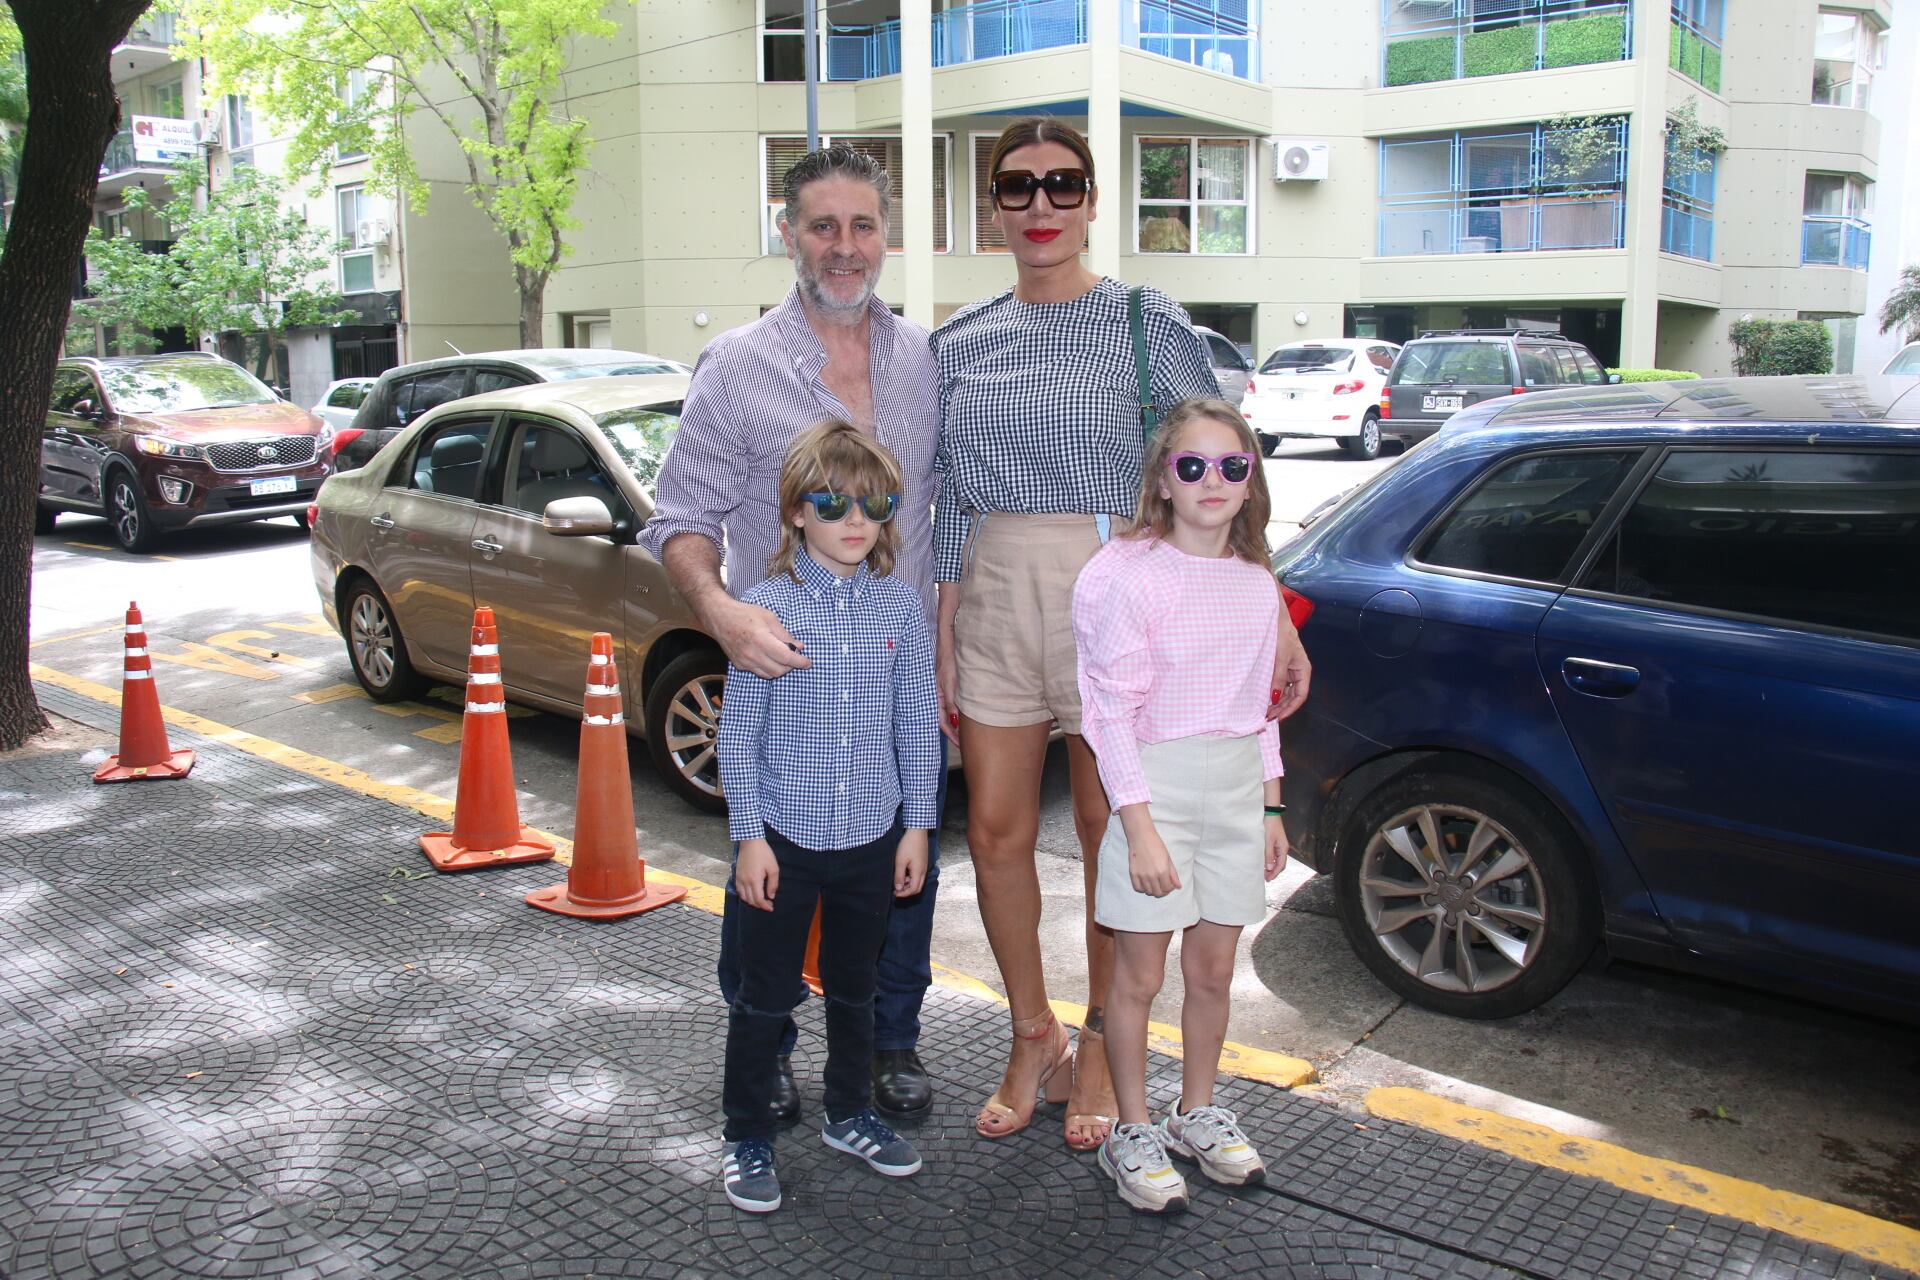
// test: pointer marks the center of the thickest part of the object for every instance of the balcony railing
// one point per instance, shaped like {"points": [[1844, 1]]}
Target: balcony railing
{"points": [[1694, 52], [153, 29], [1204, 33], [1835, 242], [1686, 233], [1507, 224], [1534, 35], [119, 156], [1216, 34]]}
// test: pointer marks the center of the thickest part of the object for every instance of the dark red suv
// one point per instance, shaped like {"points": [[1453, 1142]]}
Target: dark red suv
{"points": [[158, 443]]}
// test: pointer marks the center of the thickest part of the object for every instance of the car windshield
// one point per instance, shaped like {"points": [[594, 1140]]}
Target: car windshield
{"points": [[568, 372], [1908, 361], [1300, 359], [641, 436], [171, 386], [1473, 363]]}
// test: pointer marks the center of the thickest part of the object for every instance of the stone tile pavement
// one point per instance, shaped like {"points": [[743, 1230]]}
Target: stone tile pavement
{"points": [[242, 1035]]}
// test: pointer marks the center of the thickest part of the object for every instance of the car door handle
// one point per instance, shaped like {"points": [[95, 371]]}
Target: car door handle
{"points": [[487, 546], [381, 522], [1601, 679]]}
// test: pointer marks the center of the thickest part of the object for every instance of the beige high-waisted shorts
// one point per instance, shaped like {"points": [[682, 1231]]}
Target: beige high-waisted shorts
{"points": [[1013, 637]]}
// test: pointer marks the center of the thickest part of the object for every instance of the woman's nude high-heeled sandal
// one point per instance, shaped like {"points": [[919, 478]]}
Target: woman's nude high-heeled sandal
{"points": [[1084, 1120], [996, 1118]]}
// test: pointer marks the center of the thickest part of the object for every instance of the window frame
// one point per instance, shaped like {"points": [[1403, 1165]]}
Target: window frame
{"points": [[770, 209], [1643, 475], [1604, 520], [351, 96], [1869, 58], [407, 468], [348, 229], [1194, 203], [517, 424]]}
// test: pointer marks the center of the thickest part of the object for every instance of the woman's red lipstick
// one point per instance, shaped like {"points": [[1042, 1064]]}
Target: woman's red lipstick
{"points": [[1041, 235]]}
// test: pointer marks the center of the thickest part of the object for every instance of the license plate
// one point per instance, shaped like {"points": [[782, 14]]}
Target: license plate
{"points": [[1289, 395], [1439, 404], [279, 484]]}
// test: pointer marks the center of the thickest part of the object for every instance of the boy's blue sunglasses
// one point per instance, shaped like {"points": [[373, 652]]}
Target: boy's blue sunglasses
{"points": [[835, 507]]}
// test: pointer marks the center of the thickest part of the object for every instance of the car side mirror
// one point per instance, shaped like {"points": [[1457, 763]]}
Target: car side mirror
{"points": [[577, 517], [1613, 379], [85, 409]]}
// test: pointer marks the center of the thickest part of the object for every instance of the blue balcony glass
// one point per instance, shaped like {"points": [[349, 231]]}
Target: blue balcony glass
{"points": [[1686, 233], [1507, 224], [1219, 35], [1426, 42], [1835, 242]]}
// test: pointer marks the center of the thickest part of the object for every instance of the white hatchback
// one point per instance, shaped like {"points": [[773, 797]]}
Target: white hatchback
{"points": [[1321, 388]]}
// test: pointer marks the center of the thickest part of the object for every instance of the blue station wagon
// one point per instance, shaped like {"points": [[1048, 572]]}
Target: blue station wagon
{"points": [[1638, 664]]}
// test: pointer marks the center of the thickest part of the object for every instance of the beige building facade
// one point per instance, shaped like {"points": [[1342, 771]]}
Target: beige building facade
{"points": [[1373, 167]]}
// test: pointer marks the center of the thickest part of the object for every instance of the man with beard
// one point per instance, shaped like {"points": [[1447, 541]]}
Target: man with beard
{"points": [[830, 350]]}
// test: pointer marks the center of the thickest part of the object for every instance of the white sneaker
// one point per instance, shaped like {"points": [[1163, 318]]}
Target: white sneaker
{"points": [[1135, 1159], [1211, 1138]]}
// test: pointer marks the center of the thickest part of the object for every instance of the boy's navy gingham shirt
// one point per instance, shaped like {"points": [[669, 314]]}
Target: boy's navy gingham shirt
{"points": [[827, 755]]}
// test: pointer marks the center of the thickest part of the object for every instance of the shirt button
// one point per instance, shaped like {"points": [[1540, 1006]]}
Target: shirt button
{"points": [[845, 694], [843, 648], [843, 786], [843, 604], [843, 742]]}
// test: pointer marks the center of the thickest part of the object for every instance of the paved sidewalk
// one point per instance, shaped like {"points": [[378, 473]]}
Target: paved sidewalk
{"points": [[239, 1042]]}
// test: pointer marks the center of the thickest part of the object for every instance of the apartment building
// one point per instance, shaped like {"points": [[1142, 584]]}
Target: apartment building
{"points": [[1361, 167]]}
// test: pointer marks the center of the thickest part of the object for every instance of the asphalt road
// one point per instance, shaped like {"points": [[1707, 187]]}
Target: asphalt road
{"points": [[1736, 1081]]}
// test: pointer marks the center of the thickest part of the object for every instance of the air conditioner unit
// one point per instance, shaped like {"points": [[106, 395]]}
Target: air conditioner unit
{"points": [[1299, 159], [373, 233], [207, 131]]}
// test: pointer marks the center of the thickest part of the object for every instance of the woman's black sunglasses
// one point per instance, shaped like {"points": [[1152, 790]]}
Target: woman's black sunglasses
{"points": [[1015, 188], [832, 508]]}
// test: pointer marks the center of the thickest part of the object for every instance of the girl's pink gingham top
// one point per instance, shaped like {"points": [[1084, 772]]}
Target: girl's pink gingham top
{"points": [[1172, 646]]}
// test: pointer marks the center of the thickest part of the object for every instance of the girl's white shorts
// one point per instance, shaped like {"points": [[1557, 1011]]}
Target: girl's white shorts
{"points": [[1208, 797]]}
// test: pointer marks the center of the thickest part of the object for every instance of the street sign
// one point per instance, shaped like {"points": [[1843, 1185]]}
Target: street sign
{"points": [[161, 140]]}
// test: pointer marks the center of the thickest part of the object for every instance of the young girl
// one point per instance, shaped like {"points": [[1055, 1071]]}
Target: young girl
{"points": [[1176, 625], [831, 774]]}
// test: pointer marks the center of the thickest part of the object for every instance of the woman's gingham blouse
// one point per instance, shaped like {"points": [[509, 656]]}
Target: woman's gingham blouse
{"points": [[1040, 406]]}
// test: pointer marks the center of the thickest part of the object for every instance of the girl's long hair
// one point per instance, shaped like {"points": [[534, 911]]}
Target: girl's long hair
{"points": [[837, 457], [1247, 537]]}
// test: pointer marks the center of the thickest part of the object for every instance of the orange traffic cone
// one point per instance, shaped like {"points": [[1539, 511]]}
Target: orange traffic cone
{"points": [[607, 879], [486, 814], [144, 751], [810, 964]]}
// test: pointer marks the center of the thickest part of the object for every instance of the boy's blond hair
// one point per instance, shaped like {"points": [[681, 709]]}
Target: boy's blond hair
{"points": [[835, 457], [1247, 537]]}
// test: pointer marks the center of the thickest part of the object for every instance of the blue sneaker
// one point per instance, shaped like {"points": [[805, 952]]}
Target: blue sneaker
{"points": [[750, 1180], [866, 1135]]}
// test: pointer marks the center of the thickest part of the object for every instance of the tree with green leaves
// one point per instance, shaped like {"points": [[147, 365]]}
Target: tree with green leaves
{"points": [[13, 108], [486, 71], [1902, 307], [71, 102], [243, 260]]}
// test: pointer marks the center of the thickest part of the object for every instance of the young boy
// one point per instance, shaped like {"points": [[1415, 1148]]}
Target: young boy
{"points": [[831, 777]]}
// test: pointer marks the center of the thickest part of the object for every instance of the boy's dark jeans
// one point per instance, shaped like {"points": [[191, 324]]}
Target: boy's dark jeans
{"points": [[854, 888]]}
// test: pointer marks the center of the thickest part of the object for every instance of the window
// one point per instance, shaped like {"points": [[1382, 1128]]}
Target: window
{"points": [[1527, 519], [70, 386], [1193, 195], [1847, 50], [1586, 368], [1224, 355], [988, 237], [1381, 358], [447, 459], [169, 99], [348, 395], [430, 390], [1424, 40], [1512, 191], [356, 260], [1686, 214], [553, 463], [1834, 228], [781, 153], [353, 92], [1482, 364], [1826, 538], [239, 129], [1538, 368], [783, 47], [485, 380]]}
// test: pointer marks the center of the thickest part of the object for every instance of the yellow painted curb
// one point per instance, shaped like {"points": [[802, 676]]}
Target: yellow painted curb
{"points": [[1791, 1214]]}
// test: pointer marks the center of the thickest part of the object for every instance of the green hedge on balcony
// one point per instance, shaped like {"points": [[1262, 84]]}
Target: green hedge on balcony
{"points": [[1420, 61], [1500, 52], [1579, 41], [1693, 57]]}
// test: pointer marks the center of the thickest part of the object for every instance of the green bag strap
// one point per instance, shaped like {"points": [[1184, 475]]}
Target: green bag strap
{"points": [[1136, 322]]}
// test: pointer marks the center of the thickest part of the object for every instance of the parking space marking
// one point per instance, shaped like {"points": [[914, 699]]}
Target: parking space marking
{"points": [[315, 625], [332, 693], [207, 658], [101, 546], [1796, 1215], [238, 642], [77, 635], [446, 732]]}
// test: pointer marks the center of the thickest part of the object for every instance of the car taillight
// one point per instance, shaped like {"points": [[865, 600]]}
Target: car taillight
{"points": [[346, 436], [1252, 386], [313, 513], [1519, 391], [1348, 388], [1299, 608], [1386, 402]]}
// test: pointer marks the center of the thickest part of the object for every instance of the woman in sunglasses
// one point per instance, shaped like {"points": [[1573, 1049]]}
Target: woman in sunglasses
{"points": [[831, 775], [1176, 624], [1040, 450]]}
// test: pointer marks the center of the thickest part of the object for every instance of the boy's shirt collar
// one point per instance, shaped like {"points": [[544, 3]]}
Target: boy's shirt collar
{"points": [[824, 581]]}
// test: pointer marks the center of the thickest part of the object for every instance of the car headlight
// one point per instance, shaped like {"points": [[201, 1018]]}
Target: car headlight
{"points": [[161, 447]]}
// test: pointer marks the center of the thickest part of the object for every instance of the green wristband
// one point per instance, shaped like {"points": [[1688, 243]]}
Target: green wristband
{"points": [[1275, 810]]}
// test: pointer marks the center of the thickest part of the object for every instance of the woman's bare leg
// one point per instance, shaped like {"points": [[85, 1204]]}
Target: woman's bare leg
{"points": [[1092, 1081]]}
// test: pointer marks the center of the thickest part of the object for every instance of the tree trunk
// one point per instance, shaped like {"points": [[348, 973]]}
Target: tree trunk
{"points": [[74, 111], [533, 305]]}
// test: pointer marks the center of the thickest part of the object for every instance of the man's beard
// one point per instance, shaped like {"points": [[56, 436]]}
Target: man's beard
{"points": [[813, 288]]}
